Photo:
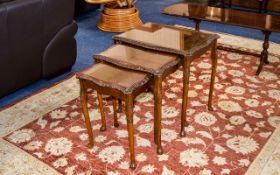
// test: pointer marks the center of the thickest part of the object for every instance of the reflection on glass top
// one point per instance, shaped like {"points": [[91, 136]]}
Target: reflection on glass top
{"points": [[166, 37], [137, 59], [229, 16]]}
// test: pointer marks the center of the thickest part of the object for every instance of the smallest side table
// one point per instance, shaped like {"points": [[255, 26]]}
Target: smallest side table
{"points": [[119, 83]]}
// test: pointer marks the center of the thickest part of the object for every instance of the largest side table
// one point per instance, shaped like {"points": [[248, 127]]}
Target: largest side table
{"points": [[182, 42]]}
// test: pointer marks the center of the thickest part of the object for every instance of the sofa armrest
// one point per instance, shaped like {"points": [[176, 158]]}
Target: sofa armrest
{"points": [[34, 33], [60, 53]]}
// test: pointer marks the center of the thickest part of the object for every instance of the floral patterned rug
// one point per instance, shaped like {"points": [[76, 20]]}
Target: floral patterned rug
{"points": [[225, 141]]}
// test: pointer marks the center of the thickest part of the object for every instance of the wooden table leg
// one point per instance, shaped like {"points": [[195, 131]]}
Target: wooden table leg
{"points": [[261, 5], [213, 74], [264, 54], [103, 120], [265, 5], [114, 102], [84, 101], [129, 118], [229, 3], [223, 3], [120, 106], [186, 77], [157, 112]]}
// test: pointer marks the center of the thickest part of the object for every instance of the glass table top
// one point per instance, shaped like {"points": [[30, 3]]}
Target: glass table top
{"points": [[138, 59], [166, 38]]}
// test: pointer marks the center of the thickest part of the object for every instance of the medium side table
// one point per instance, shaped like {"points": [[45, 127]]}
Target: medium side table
{"points": [[158, 65]]}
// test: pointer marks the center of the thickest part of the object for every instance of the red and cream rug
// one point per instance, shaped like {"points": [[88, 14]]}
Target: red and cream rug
{"points": [[240, 136]]}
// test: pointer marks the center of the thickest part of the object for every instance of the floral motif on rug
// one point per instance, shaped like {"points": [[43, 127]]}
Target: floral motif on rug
{"points": [[224, 141]]}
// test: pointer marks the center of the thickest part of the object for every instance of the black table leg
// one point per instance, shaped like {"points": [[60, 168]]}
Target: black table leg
{"points": [[265, 5], [197, 23], [229, 3], [261, 6], [223, 3], [119, 106], [264, 54]]}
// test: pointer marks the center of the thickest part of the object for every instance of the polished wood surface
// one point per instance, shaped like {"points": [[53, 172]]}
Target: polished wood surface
{"points": [[198, 13], [116, 82], [184, 43], [159, 65]]}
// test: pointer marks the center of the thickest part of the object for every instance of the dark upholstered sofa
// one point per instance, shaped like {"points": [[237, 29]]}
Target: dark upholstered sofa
{"points": [[36, 41]]}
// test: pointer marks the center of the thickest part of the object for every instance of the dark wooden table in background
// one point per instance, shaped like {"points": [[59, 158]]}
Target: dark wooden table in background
{"points": [[262, 22]]}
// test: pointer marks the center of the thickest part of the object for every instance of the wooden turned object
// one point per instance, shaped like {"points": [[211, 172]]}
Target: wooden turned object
{"points": [[119, 19], [119, 83]]}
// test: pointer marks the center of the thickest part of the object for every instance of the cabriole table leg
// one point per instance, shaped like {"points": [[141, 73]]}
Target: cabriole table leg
{"points": [[100, 103], [213, 74], [186, 77], [264, 54], [84, 100], [129, 118], [157, 113]]}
